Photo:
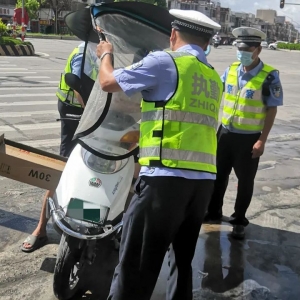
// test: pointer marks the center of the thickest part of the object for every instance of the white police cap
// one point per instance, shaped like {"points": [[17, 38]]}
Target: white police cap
{"points": [[248, 36], [194, 22]]}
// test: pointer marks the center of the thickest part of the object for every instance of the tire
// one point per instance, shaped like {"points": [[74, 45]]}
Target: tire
{"points": [[65, 284]]}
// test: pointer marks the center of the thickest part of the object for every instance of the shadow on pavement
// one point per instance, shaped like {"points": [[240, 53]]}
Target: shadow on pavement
{"points": [[265, 266], [17, 222]]}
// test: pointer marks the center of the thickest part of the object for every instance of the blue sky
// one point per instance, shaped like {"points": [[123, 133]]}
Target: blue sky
{"points": [[291, 11]]}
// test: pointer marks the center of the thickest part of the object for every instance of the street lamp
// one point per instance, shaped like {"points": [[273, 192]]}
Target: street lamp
{"points": [[210, 5]]}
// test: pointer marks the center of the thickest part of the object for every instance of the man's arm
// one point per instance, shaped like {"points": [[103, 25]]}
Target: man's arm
{"points": [[274, 99], [269, 121], [141, 76], [107, 80]]}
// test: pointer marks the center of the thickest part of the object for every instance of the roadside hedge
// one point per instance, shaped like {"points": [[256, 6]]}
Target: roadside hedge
{"points": [[288, 46], [6, 40]]}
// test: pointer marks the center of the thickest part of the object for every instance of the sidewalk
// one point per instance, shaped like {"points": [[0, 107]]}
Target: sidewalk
{"points": [[53, 37]]}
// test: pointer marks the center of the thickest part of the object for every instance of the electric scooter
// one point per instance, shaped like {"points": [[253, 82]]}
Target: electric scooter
{"points": [[94, 189]]}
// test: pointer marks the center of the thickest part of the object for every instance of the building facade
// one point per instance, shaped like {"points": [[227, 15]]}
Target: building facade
{"points": [[7, 10], [268, 15]]}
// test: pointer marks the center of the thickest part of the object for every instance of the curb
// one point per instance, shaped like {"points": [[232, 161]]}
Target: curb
{"points": [[16, 50], [287, 50], [28, 36]]}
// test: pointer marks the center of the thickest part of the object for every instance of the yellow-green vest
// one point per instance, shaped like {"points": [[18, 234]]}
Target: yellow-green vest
{"points": [[64, 92], [244, 108], [181, 132]]}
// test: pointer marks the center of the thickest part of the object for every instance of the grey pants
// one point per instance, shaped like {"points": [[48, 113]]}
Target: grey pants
{"points": [[165, 213]]}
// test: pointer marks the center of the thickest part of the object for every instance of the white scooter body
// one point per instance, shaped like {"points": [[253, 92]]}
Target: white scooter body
{"points": [[87, 179], [77, 182]]}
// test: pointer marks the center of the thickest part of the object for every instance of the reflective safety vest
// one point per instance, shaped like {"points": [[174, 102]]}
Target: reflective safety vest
{"points": [[181, 132], [64, 92], [244, 108]]}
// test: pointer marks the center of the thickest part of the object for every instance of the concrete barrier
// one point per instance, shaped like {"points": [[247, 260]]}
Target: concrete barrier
{"points": [[16, 50]]}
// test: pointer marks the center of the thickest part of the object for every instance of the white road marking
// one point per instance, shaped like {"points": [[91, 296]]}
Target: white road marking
{"points": [[42, 54], [27, 87], [7, 69], [28, 103], [29, 72], [16, 114], [35, 81], [13, 72], [42, 143], [30, 77], [26, 95], [36, 126]]}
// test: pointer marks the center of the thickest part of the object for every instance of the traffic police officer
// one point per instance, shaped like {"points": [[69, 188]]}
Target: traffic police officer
{"points": [[180, 106], [69, 102], [252, 92]]}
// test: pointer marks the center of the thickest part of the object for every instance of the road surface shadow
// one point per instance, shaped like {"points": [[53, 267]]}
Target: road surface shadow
{"points": [[17, 222], [265, 266]]}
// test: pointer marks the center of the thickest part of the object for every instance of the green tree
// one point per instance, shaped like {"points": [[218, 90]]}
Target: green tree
{"points": [[2, 27], [32, 7], [161, 3]]}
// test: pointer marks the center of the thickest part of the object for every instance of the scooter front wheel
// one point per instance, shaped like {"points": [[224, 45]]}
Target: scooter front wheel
{"points": [[68, 273]]}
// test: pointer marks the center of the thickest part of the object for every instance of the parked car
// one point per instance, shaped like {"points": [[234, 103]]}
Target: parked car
{"points": [[273, 46], [264, 44], [234, 43]]}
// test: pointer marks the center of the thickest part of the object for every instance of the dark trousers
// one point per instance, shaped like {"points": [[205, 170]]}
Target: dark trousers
{"points": [[163, 211], [68, 127], [234, 151]]}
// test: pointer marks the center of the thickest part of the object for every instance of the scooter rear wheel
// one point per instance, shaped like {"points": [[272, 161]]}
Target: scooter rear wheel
{"points": [[67, 274]]}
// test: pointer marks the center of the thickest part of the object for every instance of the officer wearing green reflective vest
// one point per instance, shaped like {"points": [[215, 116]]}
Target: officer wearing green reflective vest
{"points": [[181, 98], [69, 102], [252, 92]]}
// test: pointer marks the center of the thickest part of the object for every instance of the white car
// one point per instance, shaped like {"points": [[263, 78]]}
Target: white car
{"points": [[264, 44], [234, 43], [273, 46]]}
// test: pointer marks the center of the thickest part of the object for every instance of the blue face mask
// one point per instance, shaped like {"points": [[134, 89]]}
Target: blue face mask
{"points": [[245, 57]]}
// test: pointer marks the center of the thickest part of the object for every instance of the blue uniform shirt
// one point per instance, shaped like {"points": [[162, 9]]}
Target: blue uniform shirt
{"points": [[76, 64], [273, 100], [89, 64], [156, 77]]}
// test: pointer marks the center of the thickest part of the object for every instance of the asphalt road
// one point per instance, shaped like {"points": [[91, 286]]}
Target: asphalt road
{"points": [[264, 266]]}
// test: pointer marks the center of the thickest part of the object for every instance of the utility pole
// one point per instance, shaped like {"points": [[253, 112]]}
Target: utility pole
{"points": [[55, 9], [23, 21], [56, 21]]}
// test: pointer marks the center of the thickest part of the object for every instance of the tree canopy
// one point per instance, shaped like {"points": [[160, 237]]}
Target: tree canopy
{"points": [[31, 6]]}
